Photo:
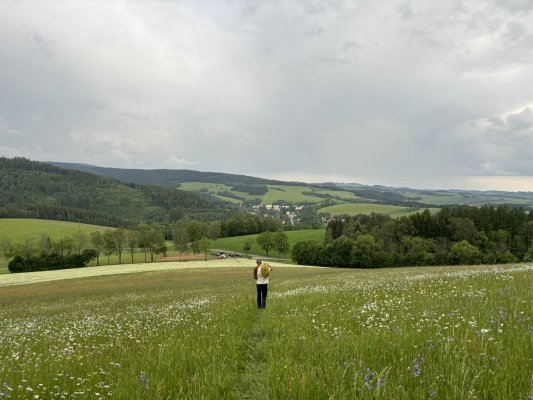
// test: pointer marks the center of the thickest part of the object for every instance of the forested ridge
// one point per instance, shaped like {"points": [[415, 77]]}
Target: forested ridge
{"points": [[173, 177], [32, 189]]}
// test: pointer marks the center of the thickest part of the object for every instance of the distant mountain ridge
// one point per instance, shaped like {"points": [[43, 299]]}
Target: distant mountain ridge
{"points": [[170, 177], [237, 184]]}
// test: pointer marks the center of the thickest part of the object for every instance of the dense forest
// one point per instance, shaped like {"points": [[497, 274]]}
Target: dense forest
{"points": [[456, 235], [33, 189]]}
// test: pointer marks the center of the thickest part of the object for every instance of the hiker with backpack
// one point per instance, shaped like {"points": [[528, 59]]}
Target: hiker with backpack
{"points": [[261, 273]]}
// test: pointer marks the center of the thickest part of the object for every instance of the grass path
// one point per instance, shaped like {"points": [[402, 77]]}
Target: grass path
{"points": [[253, 381]]}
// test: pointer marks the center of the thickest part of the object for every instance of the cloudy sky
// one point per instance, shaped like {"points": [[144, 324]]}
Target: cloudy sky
{"points": [[427, 94]]}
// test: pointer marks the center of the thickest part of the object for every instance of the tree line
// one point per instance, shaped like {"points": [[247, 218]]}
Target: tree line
{"points": [[455, 235], [120, 242]]}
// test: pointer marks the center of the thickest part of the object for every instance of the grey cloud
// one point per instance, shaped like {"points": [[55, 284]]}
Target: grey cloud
{"points": [[515, 6], [265, 88], [405, 9], [506, 142], [41, 45]]}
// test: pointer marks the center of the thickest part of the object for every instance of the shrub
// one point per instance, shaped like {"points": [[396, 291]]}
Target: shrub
{"points": [[51, 262]]}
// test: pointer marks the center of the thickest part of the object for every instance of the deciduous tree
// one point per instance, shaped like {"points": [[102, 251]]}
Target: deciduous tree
{"points": [[265, 240], [281, 242], [204, 245], [120, 241], [97, 241], [110, 247]]}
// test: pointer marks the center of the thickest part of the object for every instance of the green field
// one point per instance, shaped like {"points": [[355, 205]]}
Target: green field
{"points": [[18, 229], [338, 193], [405, 333], [368, 208], [443, 199], [214, 188], [236, 243], [288, 193], [291, 194]]}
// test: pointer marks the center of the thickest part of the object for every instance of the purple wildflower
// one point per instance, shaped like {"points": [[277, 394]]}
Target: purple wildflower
{"points": [[416, 365], [369, 379], [142, 377]]}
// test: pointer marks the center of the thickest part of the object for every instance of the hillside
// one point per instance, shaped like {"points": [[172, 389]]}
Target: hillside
{"points": [[362, 208], [192, 331], [439, 197], [31, 189], [243, 189], [18, 229], [169, 177]]}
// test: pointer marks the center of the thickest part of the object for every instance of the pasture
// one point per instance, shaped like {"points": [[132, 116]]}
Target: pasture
{"points": [[368, 208], [236, 244], [442, 198], [424, 333], [19, 229]]}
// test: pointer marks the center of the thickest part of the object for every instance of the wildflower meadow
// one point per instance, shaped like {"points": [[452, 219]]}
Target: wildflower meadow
{"points": [[195, 333]]}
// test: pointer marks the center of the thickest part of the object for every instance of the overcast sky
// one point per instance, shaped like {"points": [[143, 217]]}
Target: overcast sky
{"points": [[426, 94]]}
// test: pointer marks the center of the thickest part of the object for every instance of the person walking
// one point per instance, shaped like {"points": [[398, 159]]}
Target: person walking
{"points": [[261, 274]]}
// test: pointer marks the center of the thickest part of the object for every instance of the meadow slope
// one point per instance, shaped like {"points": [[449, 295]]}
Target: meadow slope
{"points": [[406, 333], [19, 229]]}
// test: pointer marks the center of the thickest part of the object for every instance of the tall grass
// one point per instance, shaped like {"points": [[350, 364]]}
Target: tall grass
{"points": [[442, 333]]}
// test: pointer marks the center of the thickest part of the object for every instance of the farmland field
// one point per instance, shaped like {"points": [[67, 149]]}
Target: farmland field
{"points": [[288, 193], [443, 199], [291, 194], [367, 208], [18, 229], [236, 243], [214, 188], [410, 333]]}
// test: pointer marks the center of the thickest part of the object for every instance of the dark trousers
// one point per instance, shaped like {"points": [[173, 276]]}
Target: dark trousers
{"points": [[262, 295]]}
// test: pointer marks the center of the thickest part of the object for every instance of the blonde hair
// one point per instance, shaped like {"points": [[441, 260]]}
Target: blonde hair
{"points": [[265, 270]]}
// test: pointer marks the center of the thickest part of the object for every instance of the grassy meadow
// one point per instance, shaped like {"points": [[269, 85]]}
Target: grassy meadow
{"points": [[236, 244], [18, 229], [368, 208], [409, 333]]}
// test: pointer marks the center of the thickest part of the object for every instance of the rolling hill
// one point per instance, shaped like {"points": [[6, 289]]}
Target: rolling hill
{"points": [[169, 177], [243, 189], [362, 208], [31, 189], [18, 229]]}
